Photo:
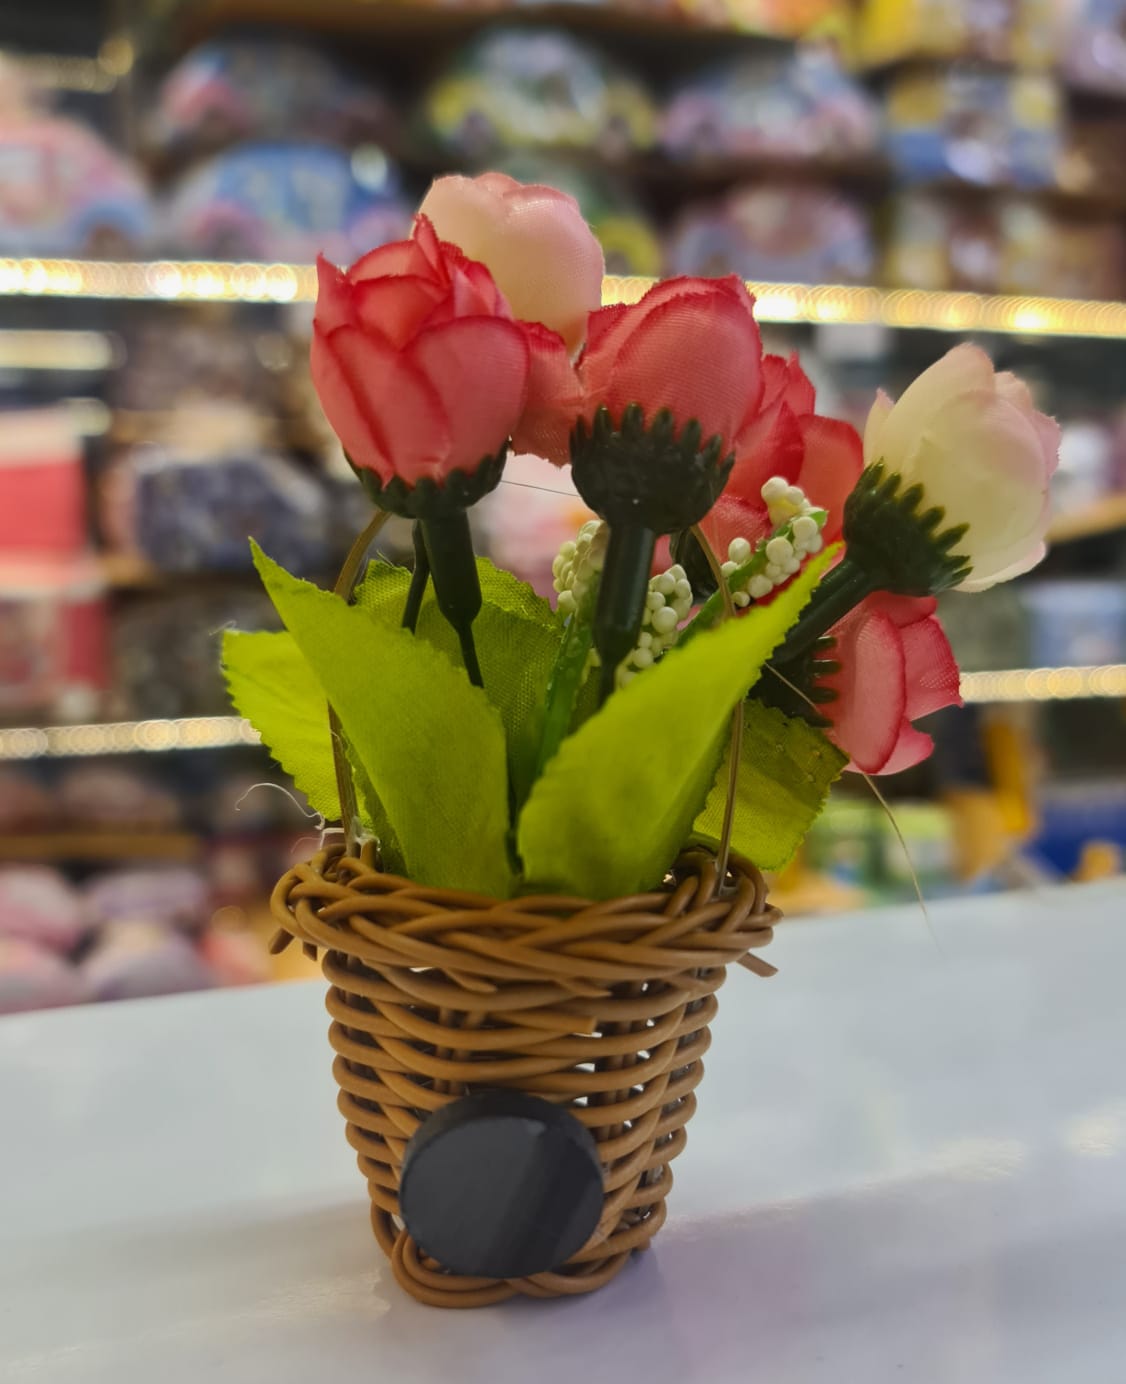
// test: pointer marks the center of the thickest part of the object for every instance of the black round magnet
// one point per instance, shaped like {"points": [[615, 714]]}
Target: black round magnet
{"points": [[501, 1185]]}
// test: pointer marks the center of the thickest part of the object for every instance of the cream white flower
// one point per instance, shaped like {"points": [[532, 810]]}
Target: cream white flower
{"points": [[973, 440]]}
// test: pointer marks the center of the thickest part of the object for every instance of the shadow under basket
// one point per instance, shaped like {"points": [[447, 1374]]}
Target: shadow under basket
{"points": [[600, 1009]]}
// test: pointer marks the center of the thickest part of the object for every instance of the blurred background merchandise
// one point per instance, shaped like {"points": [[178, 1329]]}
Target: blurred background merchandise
{"points": [[882, 170]]}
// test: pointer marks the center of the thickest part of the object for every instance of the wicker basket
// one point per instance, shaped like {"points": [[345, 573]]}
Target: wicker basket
{"points": [[603, 1008]]}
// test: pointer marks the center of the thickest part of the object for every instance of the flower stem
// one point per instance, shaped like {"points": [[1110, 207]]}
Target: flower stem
{"points": [[344, 588], [420, 578], [457, 587], [621, 598], [567, 677], [839, 592]]}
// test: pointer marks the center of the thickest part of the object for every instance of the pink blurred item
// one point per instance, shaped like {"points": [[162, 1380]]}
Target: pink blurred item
{"points": [[132, 960], [33, 978], [528, 517], [99, 796], [170, 897], [42, 488], [52, 638], [236, 958], [39, 905], [25, 805]]}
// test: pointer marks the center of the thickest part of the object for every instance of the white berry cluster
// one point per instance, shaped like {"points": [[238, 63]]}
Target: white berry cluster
{"points": [[578, 562], [797, 534], [666, 606]]}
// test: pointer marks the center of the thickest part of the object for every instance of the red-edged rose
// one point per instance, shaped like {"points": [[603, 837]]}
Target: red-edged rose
{"points": [[896, 665], [416, 360], [690, 345], [821, 455]]}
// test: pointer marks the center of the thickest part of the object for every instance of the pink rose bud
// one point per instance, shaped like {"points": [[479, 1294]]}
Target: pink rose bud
{"points": [[417, 362], [534, 241]]}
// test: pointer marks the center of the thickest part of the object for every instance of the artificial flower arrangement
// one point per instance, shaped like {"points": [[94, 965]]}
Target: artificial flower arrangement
{"points": [[550, 811]]}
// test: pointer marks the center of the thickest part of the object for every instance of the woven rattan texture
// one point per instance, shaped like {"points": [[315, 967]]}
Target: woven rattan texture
{"points": [[601, 1007]]}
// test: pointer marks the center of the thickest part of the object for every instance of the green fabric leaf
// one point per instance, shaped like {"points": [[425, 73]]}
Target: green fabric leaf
{"points": [[431, 744], [273, 686], [517, 636], [785, 771], [618, 801]]}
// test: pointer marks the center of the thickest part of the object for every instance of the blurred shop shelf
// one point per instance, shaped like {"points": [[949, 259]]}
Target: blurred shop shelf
{"points": [[98, 847], [199, 281], [1104, 516], [222, 732]]}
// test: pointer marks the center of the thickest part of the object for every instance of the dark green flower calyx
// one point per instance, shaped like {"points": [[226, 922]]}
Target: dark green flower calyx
{"points": [[645, 480], [652, 476], [901, 545], [795, 687], [429, 498]]}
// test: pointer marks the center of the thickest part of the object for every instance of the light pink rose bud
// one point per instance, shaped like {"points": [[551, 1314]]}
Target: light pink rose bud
{"points": [[533, 239]]}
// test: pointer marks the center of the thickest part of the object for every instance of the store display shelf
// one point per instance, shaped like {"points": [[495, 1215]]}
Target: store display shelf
{"points": [[1104, 516], [81, 847], [408, 18], [222, 732], [912, 309]]}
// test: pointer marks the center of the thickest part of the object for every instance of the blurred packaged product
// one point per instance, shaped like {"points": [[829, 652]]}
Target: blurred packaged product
{"points": [[234, 89], [286, 201], [26, 804], [166, 650], [114, 796], [187, 503], [536, 88], [63, 190], [1076, 623], [138, 959], [938, 242], [42, 484], [1046, 251], [855, 843], [1094, 44], [1001, 245], [234, 958], [40, 905], [790, 233], [1087, 466], [187, 362], [974, 124], [1092, 162], [988, 633], [788, 107], [34, 978], [1074, 814], [628, 235], [52, 638], [166, 897], [1020, 33]]}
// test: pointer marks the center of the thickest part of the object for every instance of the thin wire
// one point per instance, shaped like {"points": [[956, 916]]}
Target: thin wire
{"points": [[546, 489], [883, 802], [735, 747]]}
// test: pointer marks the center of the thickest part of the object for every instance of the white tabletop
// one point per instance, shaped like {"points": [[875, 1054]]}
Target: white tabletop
{"points": [[909, 1164]]}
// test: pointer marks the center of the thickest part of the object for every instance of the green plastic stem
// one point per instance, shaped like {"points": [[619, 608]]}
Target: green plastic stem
{"points": [[420, 579], [457, 587], [621, 598]]}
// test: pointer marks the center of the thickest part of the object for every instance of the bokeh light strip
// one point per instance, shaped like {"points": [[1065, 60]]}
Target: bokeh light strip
{"points": [[126, 737], [200, 281], [222, 732], [1045, 684]]}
